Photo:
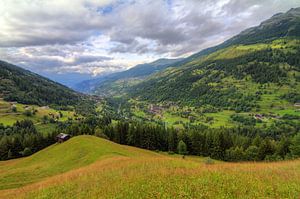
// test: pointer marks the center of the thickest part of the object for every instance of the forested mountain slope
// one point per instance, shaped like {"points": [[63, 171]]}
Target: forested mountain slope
{"points": [[17, 84], [263, 60]]}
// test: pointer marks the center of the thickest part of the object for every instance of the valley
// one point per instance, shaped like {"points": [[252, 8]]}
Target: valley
{"points": [[223, 122]]}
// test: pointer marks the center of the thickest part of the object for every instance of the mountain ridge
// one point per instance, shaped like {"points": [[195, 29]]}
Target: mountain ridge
{"points": [[140, 71], [24, 86]]}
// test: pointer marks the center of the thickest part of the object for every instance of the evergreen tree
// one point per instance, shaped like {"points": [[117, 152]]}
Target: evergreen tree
{"points": [[182, 149], [295, 146], [252, 153]]}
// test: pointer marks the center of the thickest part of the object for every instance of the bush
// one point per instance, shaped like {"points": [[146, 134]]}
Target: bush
{"points": [[235, 154], [27, 151], [209, 161], [28, 113], [99, 133], [14, 109], [182, 148]]}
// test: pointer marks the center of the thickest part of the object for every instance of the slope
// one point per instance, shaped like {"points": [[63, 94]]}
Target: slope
{"points": [[279, 26], [236, 74], [168, 177], [59, 158], [17, 84]]}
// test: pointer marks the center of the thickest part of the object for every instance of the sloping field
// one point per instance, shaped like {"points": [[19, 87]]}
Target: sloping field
{"points": [[59, 158], [127, 172]]}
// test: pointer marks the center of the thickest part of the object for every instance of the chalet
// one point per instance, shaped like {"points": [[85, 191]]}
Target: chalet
{"points": [[297, 104], [155, 109], [62, 137], [259, 116]]}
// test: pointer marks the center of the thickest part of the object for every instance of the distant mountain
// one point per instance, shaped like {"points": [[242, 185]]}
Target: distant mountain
{"points": [[237, 73], [117, 82], [67, 79], [23, 86]]}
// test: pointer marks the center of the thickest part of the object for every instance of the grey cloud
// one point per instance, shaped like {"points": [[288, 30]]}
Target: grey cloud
{"points": [[56, 35]]}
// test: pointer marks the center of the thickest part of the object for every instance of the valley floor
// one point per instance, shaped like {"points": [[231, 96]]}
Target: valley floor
{"points": [[96, 168]]}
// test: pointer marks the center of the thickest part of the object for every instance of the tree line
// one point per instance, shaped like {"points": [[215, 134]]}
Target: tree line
{"points": [[22, 139], [228, 144]]}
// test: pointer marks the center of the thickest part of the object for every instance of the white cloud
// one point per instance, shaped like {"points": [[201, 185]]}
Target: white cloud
{"points": [[90, 36]]}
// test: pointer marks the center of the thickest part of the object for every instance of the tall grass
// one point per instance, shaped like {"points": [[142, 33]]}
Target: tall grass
{"points": [[142, 174]]}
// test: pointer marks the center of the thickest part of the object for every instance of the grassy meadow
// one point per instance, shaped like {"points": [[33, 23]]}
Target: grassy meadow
{"points": [[8, 117], [90, 167]]}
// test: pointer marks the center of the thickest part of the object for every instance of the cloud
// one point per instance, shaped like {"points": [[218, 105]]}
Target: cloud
{"points": [[90, 36], [41, 22]]}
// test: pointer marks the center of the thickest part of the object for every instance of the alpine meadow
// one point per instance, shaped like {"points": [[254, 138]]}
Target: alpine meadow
{"points": [[149, 99]]}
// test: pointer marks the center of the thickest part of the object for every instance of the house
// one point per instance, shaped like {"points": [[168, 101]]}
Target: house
{"points": [[62, 137], [297, 104], [258, 116], [155, 109]]}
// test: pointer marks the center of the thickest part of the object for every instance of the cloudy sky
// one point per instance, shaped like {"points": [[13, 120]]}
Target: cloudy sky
{"points": [[92, 37]]}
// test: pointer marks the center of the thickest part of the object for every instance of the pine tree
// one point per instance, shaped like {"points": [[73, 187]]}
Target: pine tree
{"points": [[182, 149], [295, 146]]}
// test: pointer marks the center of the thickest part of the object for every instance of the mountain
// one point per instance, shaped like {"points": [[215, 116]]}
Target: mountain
{"points": [[117, 82], [67, 79], [23, 86], [280, 25], [238, 74]]}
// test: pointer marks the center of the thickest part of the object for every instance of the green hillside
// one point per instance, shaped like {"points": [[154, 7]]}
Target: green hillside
{"points": [[237, 73], [90, 167], [59, 158], [279, 26], [11, 113], [17, 84], [236, 77], [255, 72]]}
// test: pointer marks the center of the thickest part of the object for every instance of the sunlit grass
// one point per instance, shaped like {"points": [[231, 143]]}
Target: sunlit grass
{"points": [[168, 177]]}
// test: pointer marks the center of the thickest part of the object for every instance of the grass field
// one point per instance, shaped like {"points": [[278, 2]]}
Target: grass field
{"points": [[90, 167], [8, 117]]}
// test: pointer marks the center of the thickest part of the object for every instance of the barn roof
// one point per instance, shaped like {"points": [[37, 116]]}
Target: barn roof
{"points": [[62, 135]]}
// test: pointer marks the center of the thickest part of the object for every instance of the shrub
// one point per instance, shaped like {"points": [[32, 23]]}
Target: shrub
{"points": [[27, 151], [209, 161], [28, 113]]}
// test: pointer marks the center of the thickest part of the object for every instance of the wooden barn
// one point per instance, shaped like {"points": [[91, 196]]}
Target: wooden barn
{"points": [[62, 137]]}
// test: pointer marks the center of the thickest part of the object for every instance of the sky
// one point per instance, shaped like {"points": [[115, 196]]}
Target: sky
{"points": [[80, 39]]}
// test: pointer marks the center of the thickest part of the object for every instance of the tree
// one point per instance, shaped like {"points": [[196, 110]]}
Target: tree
{"points": [[283, 147], [295, 146], [45, 119], [14, 109], [235, 154], [9, 154], [182, 149], [28, 113], [172, 140], [26, 152], [252, 153], [266, 148], [99, 133]]}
